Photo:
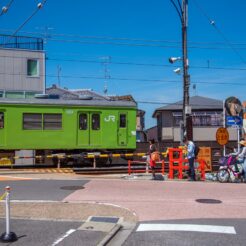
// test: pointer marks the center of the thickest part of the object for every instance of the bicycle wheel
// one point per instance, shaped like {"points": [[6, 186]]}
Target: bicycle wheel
{"points": [[223, 175]]}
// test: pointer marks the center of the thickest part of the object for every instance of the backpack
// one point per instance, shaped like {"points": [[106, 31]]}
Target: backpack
{"points": [[155, 156], [196, 150]]}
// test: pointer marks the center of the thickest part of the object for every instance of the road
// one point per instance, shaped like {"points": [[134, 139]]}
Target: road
{"points": [[166, 212]]}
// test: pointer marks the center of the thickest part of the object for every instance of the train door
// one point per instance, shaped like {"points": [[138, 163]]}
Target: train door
{"points": [[89, 132], [122, 129], [2, 131]]}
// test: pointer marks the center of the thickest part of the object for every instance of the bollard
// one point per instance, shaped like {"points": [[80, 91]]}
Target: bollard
{"points": [[8, 236]]}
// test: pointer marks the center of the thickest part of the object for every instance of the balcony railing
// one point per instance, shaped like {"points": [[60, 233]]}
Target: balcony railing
{"points": [[20, 42]]}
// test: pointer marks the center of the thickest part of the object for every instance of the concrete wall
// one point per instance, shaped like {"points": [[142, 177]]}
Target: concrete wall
{"points": [[199, 133], [13, 70]]}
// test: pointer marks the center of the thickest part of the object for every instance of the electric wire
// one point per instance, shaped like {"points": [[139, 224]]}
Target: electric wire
{"points": [[39, 6], [195, 45], [7, 7], [212, 22], [127, 79]]}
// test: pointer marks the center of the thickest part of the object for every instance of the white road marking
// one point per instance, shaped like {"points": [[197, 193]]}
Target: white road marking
{"points": [[63, 237], [187, 227]]}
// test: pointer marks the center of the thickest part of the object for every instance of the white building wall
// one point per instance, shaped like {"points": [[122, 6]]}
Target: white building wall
{"points": [[13, 70], [199, 134]]}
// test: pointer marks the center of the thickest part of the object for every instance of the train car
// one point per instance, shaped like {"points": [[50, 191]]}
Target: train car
{"points": [[67, 125]]}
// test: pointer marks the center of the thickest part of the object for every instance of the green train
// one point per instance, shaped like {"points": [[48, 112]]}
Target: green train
{"points": [[78, 126]]}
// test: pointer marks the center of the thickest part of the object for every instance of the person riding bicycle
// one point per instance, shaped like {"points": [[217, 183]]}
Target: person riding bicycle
{"points": [[241, 157]]}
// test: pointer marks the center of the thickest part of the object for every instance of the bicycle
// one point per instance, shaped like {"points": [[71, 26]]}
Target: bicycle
{"points": [[230, 170]]}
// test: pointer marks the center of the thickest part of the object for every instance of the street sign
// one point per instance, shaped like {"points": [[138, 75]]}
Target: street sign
{"points": [[222, 136], [234, 120]]}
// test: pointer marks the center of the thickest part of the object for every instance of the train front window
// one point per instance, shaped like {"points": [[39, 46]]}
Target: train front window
{"points": [[122, 121], [95, 121], [52, 121], [83, 121], [1, 120], [32, 121]]}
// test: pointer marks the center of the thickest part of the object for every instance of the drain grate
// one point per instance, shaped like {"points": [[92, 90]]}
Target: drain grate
{"points": [[104, 219], [72, 187], [209, 201]]}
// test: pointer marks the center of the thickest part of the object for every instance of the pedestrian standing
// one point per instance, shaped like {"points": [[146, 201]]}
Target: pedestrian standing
{"points": [[190, 147], [152, 163]]}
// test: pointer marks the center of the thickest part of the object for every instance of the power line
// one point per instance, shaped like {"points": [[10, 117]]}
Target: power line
{"points": [[212, 22], [5, 9], [39, 6], [48, 58], [194, 45], [129, 63], [126, 79]]}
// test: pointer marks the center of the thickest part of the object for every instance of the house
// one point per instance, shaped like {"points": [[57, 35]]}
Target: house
{"points": [[22, 66], [152, 133], [207, 117]]}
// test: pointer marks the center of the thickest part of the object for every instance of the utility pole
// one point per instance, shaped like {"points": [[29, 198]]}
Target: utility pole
{"points": [[186, 126], [186, 76]]}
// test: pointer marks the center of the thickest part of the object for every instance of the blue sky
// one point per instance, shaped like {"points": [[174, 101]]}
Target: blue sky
{"points": [[134, 32]]}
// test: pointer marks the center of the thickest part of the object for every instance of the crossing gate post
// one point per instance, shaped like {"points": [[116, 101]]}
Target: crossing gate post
{"points": [[8, 236], [173, 160]]}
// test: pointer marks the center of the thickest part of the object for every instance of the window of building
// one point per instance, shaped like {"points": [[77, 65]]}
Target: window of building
{"points": [[122, 120], [52, 121], [83, 121], [14, 94], [32, 121], [200, 118], [32, 68], [1, 120], [95, 121], [1, 94]]}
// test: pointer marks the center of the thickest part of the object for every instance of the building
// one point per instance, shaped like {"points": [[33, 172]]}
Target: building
{"points": [[207, 117], [152, 133], [22, 66]]}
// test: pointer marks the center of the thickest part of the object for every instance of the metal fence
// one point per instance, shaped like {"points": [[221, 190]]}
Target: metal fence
{"points": [[21, 42]]}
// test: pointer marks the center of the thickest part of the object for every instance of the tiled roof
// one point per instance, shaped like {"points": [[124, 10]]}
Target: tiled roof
{"points": [[196, 102]]}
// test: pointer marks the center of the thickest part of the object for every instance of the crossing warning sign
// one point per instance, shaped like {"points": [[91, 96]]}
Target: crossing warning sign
{"points": [[222, 136]]}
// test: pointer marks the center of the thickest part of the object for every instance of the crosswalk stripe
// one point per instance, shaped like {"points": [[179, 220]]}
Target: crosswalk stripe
{"points": [[187, 227]]}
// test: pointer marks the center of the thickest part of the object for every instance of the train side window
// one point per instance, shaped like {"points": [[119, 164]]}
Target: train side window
{"points": [[95, 121], [32, 121], [83, 122], [1, 120], [122, 120], [52, 121]]}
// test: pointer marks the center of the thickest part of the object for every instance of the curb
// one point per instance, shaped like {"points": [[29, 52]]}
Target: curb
{"points": [[110, 235]]}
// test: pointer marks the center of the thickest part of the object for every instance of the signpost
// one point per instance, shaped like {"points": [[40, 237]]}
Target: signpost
{"points": [[234, 120]]}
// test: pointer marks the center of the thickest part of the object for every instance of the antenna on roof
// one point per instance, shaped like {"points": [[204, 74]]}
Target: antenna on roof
{"points": [[194, 88], [105, 62], [59, 75]]}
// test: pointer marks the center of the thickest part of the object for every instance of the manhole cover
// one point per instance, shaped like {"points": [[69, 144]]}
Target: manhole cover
{"points": [[72, 187], [210, 201]]}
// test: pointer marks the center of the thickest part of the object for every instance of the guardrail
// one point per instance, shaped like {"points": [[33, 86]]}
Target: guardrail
{"points": [[146, 166]]}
